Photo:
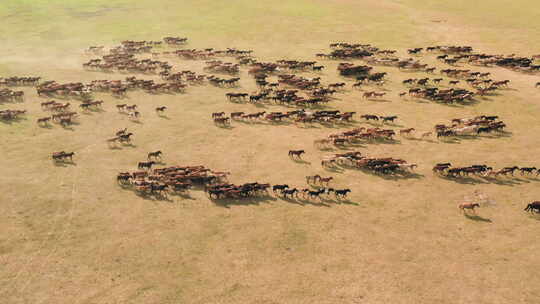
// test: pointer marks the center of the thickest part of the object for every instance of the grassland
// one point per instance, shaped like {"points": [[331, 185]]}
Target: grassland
{"points": [[71, 235]]}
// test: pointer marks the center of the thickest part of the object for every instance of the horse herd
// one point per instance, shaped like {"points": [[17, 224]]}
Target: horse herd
{"points": [[285, 91], [297, 116], [471, 126], [446, 169], [179, 179]]}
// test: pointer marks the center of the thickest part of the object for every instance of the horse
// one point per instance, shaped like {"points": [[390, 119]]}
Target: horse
{"points": [[313, 194], [156, 154], [134, 115], [123, 177], [130, 108], [121, 107], [44, 120], [222, 120], [325, 180], [342, 192], [291, 192], [158, 188], [426, 134], [235, 115], [376, 94], [533, 207], [313, 178], [57, 156], [328, 162], [527, 170], [279, 187], [161, 109], [125, 137], [471, 206], [121, 132], [218, 114], [146, 165], [297, 153], [368, 94], [370, 117], [389, 118]]}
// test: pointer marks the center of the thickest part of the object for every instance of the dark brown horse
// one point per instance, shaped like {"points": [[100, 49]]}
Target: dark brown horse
{"points": [[533, 207], [296, 153], [156, 154]]}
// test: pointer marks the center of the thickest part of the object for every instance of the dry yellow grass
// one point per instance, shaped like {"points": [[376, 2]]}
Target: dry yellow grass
{"points": [[71, 235]]}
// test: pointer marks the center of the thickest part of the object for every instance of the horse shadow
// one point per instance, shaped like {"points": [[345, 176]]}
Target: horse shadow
{"points": [[467, 137], [391, 124], [225, 127], [502, 182], [497, 135], [137, 122], [411, 175], [346, 202], [476, 218], [64, 163], [335, 169], [164, 117], [393, 177], [385, 141], [379, 100], [303, 201], [47, 126], [115, 148], [260, 105], [300, 161], [97, 110], [465, 180], [453, 105], [183, 195], [535, 215], [451, 141], [279, 123], [227, 202], [310, 126]]}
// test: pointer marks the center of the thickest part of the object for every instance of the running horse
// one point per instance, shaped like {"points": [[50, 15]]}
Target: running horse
{"points": [[470, 206], [296, 153], [533, 207], [156, 154]]}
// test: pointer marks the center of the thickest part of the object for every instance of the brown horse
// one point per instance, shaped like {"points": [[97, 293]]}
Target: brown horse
{"points": [[222, 120], [156, 154], [218, 114], [296, 153], [325, 180], [44, 120], [161, 109], [470, 206], [406, 131]]}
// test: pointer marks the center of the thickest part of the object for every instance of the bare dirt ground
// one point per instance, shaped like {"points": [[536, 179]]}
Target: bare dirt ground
{"points": [[71, 235]]}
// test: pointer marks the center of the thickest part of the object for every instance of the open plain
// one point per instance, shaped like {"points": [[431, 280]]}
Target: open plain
{"points": [[71, 234]]}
